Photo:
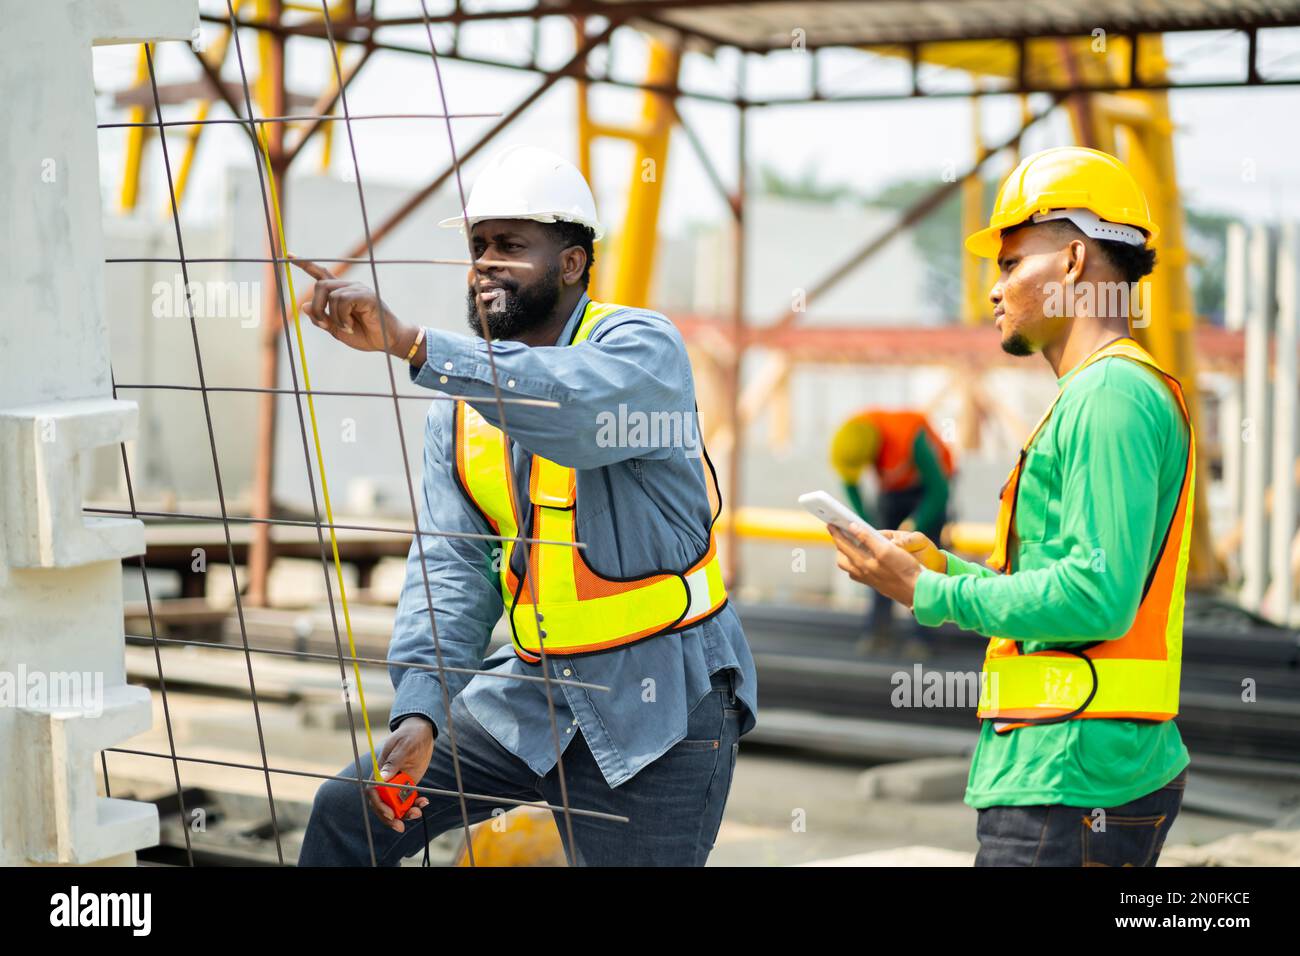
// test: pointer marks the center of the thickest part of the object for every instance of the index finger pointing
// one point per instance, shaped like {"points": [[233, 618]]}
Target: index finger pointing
{"points": [[313, 270]]}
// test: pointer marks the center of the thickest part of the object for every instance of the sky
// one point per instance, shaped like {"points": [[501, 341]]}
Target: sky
{"points": [[1235, 148]]}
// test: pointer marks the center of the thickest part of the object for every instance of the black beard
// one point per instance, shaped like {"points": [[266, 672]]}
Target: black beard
{"points": [[527, 307], [1017, 345]]}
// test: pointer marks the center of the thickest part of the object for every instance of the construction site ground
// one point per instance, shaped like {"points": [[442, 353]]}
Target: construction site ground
{"points": [[786, 807]]}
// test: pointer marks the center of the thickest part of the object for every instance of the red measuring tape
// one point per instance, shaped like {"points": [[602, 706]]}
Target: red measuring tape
{"points": [[400, 798]]}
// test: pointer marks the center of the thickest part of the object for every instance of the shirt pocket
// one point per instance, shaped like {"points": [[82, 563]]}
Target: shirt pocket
{"points": [[1039, 482]]}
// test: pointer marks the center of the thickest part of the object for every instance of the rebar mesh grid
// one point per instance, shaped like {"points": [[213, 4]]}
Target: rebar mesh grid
{"points": [[324, 525]]}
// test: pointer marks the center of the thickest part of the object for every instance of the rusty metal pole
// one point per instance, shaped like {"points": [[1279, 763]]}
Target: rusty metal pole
{"points": [[731, 559], [261, 547]]}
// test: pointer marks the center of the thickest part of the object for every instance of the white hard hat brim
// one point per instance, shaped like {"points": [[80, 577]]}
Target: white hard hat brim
{"points": [[458, 222]]}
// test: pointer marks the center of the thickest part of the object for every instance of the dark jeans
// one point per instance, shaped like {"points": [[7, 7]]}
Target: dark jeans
{"points": [[895, 507], [1058, 835], [674, 806]]}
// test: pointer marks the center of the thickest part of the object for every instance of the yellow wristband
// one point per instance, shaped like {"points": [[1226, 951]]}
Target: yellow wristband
{"points": [[419, 337]]}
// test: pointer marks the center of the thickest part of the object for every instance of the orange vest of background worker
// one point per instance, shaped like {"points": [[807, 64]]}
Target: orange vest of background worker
{"points": [[913, 470]]}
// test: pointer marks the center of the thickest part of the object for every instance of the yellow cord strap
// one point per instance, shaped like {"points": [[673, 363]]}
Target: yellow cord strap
{"points": [[320, 457]]}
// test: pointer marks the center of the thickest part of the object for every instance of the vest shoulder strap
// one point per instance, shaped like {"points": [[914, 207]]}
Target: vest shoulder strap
{"points": [[552, 485], [591, 317], [1133, 351], [1121, 348]]}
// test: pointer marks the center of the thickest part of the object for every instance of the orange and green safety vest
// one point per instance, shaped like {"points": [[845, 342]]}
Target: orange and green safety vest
{"points": [[1135, 676]]}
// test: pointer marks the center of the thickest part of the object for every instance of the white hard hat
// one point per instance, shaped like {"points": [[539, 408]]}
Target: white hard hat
{"points": [[526, 182]]}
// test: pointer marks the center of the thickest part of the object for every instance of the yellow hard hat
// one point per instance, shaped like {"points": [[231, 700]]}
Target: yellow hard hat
{"points": [[854, 446], [1069, 182]]}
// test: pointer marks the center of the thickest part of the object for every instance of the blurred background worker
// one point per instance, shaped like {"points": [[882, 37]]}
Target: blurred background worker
{"points": [[913, 470]]}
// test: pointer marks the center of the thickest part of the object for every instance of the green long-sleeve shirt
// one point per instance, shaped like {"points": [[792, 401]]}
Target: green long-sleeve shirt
{"points": [[934, 483], [1097, 492]]}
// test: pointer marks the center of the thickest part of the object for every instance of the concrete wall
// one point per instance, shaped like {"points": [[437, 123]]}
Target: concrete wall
{"points": [[63, 692]]}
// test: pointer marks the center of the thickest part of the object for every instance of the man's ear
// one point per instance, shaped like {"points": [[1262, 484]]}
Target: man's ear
{"points": [[573, 262], [1076, 259]]}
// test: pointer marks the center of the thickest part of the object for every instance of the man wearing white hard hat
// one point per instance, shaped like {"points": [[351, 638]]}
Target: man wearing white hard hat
{"points": [[618, 592]]}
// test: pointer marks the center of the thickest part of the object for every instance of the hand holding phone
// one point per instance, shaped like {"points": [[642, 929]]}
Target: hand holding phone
{"points": [[833, 512]]}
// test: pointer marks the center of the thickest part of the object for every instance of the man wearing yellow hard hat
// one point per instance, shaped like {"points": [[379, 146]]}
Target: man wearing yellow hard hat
{"points": [[913, 468], [1079, 761]]}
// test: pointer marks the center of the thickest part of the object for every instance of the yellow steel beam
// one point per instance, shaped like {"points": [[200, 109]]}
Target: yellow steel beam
{"points": [[605, 130], [637, 240], [343, 10], [999, 59], [191, 148], [264, 84], [586, 135], [216, 56], [586, 129], [129, 194], [974, 302], [636, 244], [794, 526], [1136, 126]]}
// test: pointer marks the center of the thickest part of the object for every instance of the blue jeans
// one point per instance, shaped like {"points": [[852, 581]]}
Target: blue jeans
{"points": [[674, 806], [1133, 833]]}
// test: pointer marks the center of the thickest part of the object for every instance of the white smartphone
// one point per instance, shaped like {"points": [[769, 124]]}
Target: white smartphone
{"points": [[833, 512]]}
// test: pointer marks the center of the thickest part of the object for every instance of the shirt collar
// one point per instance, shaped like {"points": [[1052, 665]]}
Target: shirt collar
{"points": [[1060, 382]]}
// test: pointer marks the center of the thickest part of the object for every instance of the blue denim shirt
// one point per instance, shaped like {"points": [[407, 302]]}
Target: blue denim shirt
{"points": [[640, 508]]}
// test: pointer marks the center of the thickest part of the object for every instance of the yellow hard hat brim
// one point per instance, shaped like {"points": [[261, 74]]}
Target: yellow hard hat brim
{"points": [[986, 243]]}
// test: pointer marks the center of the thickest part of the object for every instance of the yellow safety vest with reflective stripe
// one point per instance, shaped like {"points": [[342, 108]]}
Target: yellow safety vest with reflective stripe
{"points": [[580, 610], [1132, 677]]}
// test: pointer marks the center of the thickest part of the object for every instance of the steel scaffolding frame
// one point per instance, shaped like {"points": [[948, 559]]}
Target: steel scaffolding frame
{"points": [[595, 24]]}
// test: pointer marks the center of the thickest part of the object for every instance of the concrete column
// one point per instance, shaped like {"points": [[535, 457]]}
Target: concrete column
{"points": [[1285, 395], [1232, 395], [63, 691], [1255, 424]]}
